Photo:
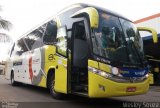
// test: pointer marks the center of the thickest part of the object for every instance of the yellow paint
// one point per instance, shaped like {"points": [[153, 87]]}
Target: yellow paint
{"points": [[93, 15], [156, 69], [105, 67], [151, 81], [113, 88], [48, 49], [92, 63], [43, 82], [60, 73], [151, 30]]}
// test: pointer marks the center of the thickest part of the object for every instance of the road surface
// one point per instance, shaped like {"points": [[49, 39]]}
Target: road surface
{"points": [[25, 96]]}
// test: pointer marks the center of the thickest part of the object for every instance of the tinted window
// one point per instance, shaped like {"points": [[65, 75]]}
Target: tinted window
{"points": [[108, 39], [50, 33], [20, 47], [34, 39], [134, 41]]}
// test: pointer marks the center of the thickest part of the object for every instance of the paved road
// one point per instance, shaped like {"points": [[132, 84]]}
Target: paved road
{"points": [[26, 95]]}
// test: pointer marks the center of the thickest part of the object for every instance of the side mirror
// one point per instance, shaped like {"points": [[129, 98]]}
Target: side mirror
{"points": [[62, 40], [62, 32], [151, 30]]}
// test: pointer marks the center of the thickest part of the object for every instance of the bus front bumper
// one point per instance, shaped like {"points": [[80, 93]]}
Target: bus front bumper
{"points": [[100, 87]]}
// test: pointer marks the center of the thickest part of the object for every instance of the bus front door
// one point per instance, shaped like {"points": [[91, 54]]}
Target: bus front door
{"points": [[79, 57]]}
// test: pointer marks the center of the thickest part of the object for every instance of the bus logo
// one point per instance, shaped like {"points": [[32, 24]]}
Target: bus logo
{"points": [[51, 57]]}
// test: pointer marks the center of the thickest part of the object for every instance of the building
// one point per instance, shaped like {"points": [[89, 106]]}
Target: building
{"points": [[152, 50]]}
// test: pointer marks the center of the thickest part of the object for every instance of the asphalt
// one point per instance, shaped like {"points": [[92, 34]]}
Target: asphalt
{"points": [[26, 96]]}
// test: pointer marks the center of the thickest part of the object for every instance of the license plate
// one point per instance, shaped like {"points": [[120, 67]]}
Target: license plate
{"points": [[131, 89]]}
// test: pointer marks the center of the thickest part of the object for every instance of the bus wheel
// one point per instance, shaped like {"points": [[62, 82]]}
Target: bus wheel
{"points": [[13, 82], [51, 85]]}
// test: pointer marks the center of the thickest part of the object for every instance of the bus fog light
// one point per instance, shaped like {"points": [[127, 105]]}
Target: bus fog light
{"points": [[104, 74]]}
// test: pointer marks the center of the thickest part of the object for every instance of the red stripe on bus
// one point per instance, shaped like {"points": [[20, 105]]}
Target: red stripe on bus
{"points": [[30, 68]]}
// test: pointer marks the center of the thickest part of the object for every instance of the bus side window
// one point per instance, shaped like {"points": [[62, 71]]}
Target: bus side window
{"points": [[38, 34], [34, 39], [50, 33], [20, 47], [12, 49]]}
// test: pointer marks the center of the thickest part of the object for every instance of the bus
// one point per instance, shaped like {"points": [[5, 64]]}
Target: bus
{"points": [[152, 51], [83, 50]]}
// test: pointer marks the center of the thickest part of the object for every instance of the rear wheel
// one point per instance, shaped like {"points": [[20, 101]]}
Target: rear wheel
{"points": [[51, 85], [13, 82]]}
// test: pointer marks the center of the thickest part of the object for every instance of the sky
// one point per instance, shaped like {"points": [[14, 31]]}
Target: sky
{"points": [[26, 14]]}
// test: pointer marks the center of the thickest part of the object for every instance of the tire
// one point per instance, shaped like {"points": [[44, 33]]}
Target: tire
{"points": [[13, 82], [51, 85]]}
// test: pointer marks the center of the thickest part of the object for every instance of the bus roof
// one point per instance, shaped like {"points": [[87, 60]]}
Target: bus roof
{"points": [[89, 5], [72, 7], [105, 10]]}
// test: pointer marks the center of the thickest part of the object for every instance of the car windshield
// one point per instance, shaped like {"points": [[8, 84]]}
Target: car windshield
{"points": [[117, 39]]}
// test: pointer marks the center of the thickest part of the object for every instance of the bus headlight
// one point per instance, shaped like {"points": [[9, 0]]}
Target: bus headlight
{"points": [[99, 72], [147, 75], [115, 76], [115, 71], [104, 74]]}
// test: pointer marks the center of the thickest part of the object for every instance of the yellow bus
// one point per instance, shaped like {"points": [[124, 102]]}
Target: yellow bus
{"points": [[152, 51], [83, 50]]}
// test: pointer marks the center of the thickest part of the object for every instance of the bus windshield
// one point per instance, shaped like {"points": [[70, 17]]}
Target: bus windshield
{"points": [[117, 39]]}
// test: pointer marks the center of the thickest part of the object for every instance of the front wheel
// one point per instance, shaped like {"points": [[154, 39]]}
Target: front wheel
{"points": [[53, 93], [13, 82]]}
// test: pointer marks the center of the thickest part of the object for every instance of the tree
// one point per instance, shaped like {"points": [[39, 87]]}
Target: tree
{"points": [[5, 40], [6, 25]]}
